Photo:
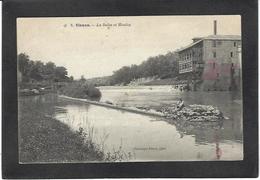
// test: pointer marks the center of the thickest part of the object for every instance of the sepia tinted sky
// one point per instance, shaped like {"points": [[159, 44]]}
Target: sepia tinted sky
{"points": [[95, 51]]}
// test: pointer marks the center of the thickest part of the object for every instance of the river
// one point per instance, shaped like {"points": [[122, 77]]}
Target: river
{"points": [[147, 138]]}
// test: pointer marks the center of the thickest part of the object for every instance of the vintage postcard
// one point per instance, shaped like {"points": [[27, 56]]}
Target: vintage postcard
{"points": [[130, 89]]}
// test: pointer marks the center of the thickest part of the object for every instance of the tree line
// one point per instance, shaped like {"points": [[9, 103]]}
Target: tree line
{"points": [[161, 66], [30, 70]]}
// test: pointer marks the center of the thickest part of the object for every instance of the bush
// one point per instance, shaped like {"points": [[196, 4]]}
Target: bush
{"points": [[81, 90]]}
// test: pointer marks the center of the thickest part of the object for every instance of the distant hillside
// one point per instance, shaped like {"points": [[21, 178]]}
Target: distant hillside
{"points": [[100, 81], [161, 66], [155, 69]]}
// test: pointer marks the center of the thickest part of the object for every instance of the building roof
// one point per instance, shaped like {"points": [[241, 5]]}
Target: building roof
{"points": [[212, 37], [223, 37], [190, 45]]}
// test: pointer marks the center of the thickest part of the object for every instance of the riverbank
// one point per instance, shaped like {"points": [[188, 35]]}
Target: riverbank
{"points": [[45, 139]]}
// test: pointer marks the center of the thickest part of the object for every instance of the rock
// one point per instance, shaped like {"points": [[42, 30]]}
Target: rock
{"points": [[35, 91], [194, 113]]}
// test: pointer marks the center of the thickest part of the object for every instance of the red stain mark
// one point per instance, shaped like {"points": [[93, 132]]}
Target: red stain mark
{"points": [[213, 69], [218, 150]]}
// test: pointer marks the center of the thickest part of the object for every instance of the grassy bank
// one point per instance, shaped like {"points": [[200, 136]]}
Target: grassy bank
{"points": [[45, 139]]}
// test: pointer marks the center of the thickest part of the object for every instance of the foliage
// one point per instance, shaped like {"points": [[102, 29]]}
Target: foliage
{"points": [[100, 81], [118, 155], [30, 70], [161, 66], [81, 89]]}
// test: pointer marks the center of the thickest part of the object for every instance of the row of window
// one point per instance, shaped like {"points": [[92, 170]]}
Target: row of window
{"points": [[214, 65], [215, 54], [189, 55], [190, 64], [215, 43], [185, 66]]}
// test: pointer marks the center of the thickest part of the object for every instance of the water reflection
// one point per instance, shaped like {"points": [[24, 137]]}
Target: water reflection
{"points": [[229, 103], [148, 138]]}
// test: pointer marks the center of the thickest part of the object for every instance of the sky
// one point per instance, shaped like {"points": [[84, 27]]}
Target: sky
{"points": [[97, 46]]}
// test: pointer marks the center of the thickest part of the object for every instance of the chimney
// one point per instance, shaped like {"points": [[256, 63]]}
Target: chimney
{"points": [[215, 27]]}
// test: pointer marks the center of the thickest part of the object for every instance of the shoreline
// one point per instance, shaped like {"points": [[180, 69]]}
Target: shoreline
{"points": [[42, 138]]}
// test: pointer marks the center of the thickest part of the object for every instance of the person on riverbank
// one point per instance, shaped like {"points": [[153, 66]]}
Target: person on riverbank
{"points": [[180, 104]]}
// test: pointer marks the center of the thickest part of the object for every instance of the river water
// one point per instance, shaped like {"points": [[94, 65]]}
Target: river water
{"points": [[147, 138]]}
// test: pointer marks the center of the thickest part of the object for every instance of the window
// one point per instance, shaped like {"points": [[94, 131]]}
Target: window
{"points": [[235, 44], [231, 54], [214, 54], [214, 43], [219, 42]]}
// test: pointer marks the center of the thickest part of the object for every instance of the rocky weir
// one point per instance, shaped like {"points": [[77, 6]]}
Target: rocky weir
{"points": [[192, 114]]}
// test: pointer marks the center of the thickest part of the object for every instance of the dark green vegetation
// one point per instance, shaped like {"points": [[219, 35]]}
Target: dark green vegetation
{"points": [[100, 81], [80, 89], [36, 74], [45, 139], [51, 78], [31, 73], [161, 66]]}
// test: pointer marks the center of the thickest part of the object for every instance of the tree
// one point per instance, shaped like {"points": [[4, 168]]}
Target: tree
{"points": [[163, 66], [49, 70], [23, 66], [82, 78], [38, 71], [61, 73], [71, 78]]}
